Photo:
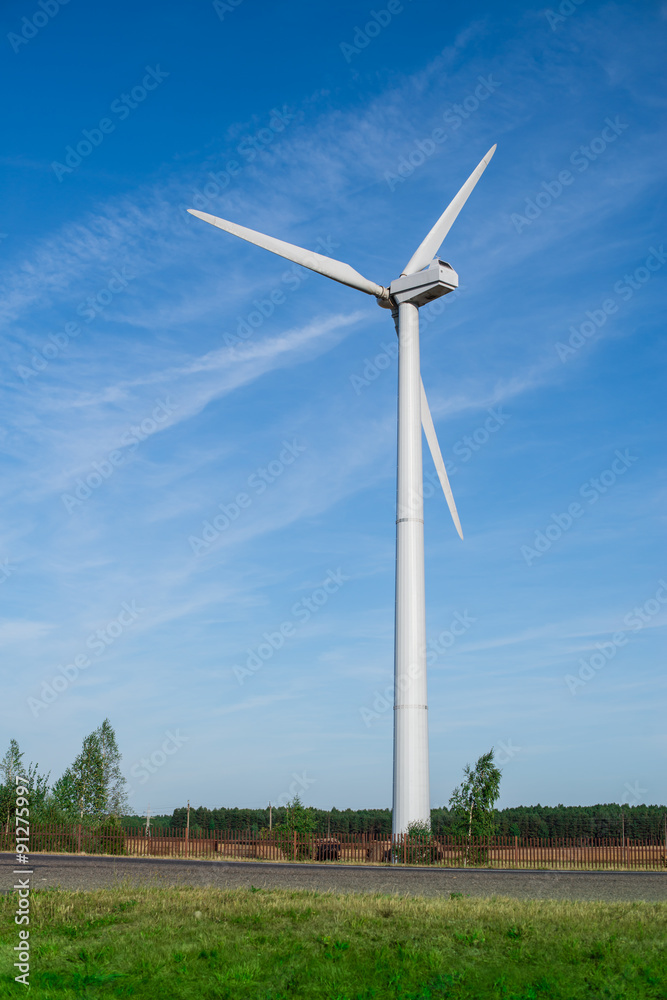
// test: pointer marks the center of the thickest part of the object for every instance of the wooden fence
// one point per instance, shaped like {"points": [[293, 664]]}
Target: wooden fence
{"points": [[442, 851]]}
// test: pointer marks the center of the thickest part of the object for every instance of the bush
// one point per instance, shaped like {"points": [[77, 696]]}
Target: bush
{"points": [[478, 854], [299, 820], [97, 837], [107, 838], [301, 851], [470, 854], [55, 838], [419, 846]]}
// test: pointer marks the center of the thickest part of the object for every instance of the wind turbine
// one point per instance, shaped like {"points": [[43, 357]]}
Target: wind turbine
{"points": [[422, 280]]}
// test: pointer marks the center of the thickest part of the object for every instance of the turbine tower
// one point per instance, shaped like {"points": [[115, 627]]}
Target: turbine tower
{"points": [[422, 280]]}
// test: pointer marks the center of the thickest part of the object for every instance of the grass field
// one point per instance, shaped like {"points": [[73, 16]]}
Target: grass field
{"points": [[207, 943]]}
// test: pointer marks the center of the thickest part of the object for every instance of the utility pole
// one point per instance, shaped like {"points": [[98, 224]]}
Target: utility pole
{"points": [[148, 820], [270, 818], [187, 832], [625, 853]]}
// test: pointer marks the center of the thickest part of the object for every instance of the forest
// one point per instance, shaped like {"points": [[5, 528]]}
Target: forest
{"points": [[640, 822]]}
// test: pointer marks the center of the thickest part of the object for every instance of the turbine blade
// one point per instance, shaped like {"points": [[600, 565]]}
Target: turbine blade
{"points": [[428, 248], [307, 258], [429, 430]]}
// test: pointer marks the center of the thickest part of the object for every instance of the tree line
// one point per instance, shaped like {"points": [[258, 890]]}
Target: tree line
{"points": [[471, 813], [640, 822]]}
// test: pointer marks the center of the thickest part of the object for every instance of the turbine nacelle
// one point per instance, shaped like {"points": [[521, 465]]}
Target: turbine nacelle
{"points": [[437, 279]]}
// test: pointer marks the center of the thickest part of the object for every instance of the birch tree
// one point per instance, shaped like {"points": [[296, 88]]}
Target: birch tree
{"points": [[94, 785], [37, 784], [81, 788], [114, 782], [474, 799]]}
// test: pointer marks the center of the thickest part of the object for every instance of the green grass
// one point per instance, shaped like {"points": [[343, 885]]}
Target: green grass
{"points": [[207, 943]]}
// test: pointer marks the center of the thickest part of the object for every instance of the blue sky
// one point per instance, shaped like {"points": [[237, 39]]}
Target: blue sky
{"points": [[152, 385]]}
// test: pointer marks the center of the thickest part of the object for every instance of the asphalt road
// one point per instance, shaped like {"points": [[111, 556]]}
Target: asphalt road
{"points": [[85, 872]]}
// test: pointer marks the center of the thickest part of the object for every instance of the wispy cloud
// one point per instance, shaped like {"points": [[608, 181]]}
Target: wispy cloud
{"points": [[165, 336]]}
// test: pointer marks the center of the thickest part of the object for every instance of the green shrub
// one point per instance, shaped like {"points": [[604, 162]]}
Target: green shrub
{"points": [[419, 846]]}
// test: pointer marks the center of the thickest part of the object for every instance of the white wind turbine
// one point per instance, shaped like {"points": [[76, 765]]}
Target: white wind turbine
{"points": [[422, 280]]}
